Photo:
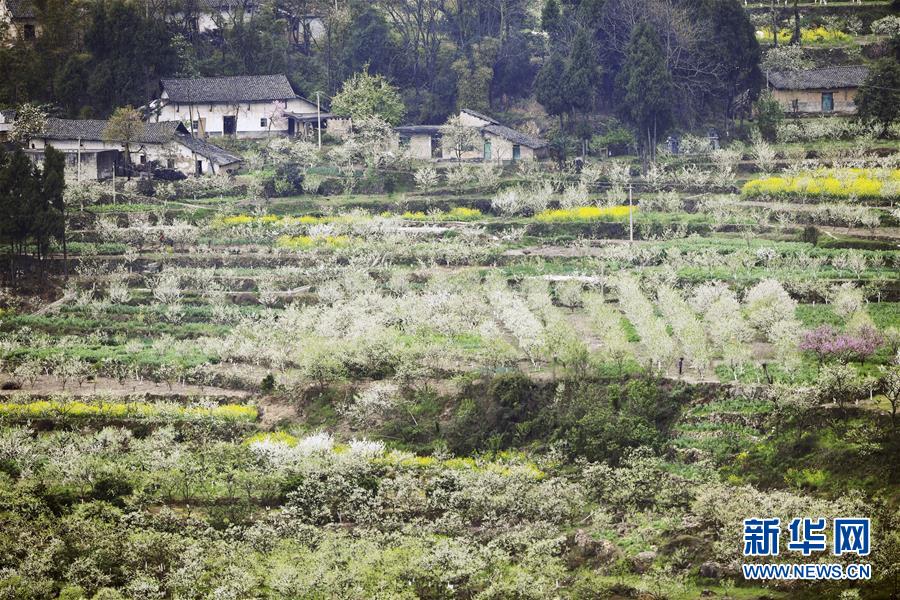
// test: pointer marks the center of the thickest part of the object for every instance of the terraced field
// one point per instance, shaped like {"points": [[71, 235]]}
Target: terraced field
{"points": [[518, 386]]}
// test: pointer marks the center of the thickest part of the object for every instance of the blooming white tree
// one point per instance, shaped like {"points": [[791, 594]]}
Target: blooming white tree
{"points": [[515, 315], [656, 343], [606, 322], [426, 178], [726, 326], [687, 328], [166, 287], [846, 300], [767, 303]]}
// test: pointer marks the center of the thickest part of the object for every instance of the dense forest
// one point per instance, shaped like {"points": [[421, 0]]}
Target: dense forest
{"points": [[697, 60]]}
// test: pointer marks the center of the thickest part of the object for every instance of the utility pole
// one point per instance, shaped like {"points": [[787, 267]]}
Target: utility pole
{"points": [[319, 116], [630, 217]]}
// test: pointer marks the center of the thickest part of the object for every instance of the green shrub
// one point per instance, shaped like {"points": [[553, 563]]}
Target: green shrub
{"points": [[768, 116]]}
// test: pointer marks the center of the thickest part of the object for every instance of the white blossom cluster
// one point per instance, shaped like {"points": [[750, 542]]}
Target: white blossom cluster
{"points": [[517, 318], [686, 327], [656, 343]]}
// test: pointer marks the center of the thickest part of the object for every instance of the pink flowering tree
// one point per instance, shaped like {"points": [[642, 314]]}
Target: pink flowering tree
{"points": [[829, 344]]}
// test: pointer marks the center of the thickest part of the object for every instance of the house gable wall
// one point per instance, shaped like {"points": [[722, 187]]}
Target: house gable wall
{"points": [[471, 120]]}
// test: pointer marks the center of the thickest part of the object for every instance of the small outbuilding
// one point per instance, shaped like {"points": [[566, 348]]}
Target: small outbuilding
{"points": [[21, 18], [499, 143], [86, 165], [167, 144], [831, 90]]}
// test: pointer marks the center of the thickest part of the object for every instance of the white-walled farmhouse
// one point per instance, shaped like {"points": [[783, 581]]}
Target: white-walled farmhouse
{"points": [[250, 106]]}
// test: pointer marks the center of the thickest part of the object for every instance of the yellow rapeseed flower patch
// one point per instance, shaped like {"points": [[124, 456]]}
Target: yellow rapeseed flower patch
{"points": [[275, 437], [263, 220], [583, 213], [816, 35], [844, 183], [459, 213], [124, 410], [237, 220], [305, 242], [228, 412]]}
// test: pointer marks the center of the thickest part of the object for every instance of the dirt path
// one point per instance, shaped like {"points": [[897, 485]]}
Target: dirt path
{"points": [[45, 384], [565, 251], [891, 234]]}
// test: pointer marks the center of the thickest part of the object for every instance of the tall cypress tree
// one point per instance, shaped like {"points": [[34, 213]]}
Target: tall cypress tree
{"points": [[548, 86], [734, 45], [582, 73], [53, 185], [647, 86], [878, 99]]}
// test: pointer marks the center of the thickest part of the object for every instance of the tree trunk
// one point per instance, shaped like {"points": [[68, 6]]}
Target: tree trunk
{"points": [[774, 26], [796, 38], [65, 250]]}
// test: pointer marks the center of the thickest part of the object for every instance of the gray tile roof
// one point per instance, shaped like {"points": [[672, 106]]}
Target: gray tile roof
{"points": [[215, 154], [20, 9], [225, 4], [92, 129], [419, 129], [8, 115], [814, 79], [243, 88], [516, 137], [311, 117], [478, 115]]}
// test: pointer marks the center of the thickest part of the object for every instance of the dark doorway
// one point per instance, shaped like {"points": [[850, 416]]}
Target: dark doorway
{"points": [[199, 169], [435, 146], [229, 125]]}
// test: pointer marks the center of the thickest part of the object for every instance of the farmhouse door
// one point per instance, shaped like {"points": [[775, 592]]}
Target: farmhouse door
{"points": [[827, 102], [292, 126], [229, 125], [487, 150]]}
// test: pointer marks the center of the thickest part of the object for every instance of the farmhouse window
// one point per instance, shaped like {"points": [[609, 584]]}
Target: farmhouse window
{"points": [[170, 163], [517, 151], [795, 105], [29, 33], [263, 122], [827, 101]]}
